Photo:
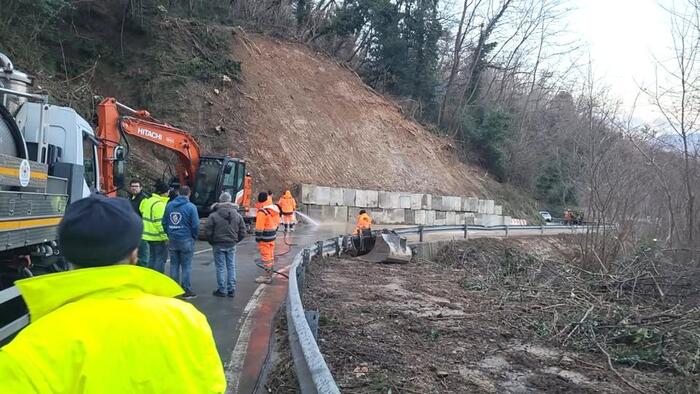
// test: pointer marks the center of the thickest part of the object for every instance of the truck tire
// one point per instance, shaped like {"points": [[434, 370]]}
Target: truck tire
{"points": [[11, 141]]}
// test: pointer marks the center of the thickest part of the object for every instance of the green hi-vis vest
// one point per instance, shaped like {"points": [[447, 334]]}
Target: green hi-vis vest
{"points": [[152, 210]]}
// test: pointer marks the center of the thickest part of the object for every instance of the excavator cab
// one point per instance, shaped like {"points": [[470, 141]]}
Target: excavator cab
{"points": [[217, 174]]}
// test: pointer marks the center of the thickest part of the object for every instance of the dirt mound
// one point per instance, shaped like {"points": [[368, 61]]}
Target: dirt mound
{"points": [[298, 116]]}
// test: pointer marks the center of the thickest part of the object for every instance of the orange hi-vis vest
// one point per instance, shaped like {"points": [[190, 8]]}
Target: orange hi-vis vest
{"points": [[287, 203], [267, 219], [364, 222]]}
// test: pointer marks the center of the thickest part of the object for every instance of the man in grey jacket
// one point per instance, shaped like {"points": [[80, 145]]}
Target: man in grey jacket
{"points": [[223, 230]]}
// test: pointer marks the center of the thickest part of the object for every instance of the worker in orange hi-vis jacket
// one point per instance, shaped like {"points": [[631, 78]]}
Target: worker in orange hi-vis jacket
{"points": [[288, 206], [364, 223], [267, 218]]}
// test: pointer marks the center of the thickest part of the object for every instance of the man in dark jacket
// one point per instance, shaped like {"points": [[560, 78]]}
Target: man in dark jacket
{"points": [[181, 223], [224, 229], [136, 196]]}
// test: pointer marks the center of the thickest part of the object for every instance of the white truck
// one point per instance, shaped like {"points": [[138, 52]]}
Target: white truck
{"points": [[47, 160]]}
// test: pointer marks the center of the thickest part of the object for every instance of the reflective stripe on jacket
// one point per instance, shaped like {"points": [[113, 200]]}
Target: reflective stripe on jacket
{"points": [[152, 210], [114, 329], [266, 221]]}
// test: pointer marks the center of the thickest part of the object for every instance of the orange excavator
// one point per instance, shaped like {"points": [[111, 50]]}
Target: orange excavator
{"points": [[207, 176]]}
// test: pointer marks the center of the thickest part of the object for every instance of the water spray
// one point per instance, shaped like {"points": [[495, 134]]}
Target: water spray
{"points": [[308, 219]]}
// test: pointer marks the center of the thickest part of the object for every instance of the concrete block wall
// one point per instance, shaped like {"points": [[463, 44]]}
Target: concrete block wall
{"points": [[386, 207]]}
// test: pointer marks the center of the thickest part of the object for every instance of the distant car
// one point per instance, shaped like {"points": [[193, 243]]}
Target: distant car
{"points": [[546, 216]]}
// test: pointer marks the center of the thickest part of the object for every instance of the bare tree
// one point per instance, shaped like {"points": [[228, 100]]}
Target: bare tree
{"points": [[462, 30], [677, 97]]}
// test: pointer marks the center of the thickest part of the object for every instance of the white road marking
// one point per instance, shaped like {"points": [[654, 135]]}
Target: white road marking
{"points": [[233, 369]]}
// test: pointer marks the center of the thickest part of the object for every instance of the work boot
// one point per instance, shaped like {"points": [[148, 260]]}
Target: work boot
{"points": [[266, 277]]}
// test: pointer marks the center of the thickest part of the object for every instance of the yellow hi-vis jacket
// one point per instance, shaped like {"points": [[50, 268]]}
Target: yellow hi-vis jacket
{"points": [[152, 210], [113, 329]]}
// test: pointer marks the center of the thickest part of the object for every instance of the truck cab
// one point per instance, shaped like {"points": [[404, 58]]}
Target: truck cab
{"points": [[67, 145]]}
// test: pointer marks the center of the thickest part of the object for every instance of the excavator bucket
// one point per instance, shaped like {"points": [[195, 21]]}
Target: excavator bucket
{"points": [[385, 246]]}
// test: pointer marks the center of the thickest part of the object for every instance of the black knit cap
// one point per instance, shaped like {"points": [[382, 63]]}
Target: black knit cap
{"points": [[262, 197], [99, 231]]}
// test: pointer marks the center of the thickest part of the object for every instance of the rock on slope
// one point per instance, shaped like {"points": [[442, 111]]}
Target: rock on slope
{"points": [[300, 117]]}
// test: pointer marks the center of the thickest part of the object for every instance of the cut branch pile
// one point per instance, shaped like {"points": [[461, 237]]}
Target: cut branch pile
{"points": [[641, 311]]}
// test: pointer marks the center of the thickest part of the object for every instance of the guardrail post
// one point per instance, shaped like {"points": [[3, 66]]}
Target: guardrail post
{"points": [[507, 230], [542, 229], [466, 229], [337, 245], [319, 249], [420, 233], [301, 270], [306, 257]]}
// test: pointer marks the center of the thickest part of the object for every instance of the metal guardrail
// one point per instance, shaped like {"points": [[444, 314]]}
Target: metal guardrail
{"points": [[312, 372]]}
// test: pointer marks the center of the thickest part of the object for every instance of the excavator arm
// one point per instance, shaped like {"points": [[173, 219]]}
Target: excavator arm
{"points": [[112, 126]]}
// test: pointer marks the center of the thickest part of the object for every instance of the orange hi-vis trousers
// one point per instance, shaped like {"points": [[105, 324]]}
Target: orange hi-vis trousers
{"points": [[267, 253]]}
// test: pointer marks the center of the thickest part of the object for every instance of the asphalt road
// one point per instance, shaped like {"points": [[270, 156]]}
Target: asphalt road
{"points": [[224, 314]]}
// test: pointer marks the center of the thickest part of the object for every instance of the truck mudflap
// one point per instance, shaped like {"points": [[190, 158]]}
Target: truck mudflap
{"points": [[384, 246]]}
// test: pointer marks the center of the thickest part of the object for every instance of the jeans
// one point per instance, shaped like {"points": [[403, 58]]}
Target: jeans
{"points": [[143, 254], [225, 262], [158, 251], [181, 254]]}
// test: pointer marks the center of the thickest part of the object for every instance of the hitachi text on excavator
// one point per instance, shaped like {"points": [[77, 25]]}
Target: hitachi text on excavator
{"points": [[207, 176]]}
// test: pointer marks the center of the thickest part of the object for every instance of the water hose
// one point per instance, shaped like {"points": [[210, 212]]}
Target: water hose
{"points": [[272, 270]]}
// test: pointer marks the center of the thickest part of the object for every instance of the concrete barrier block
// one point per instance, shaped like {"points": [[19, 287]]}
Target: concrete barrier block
{"points": [[396, 216], [353, 212], [327, 213], [410, 217], [470, 204], [429, 217], [334, 213], [490, 220], [314, 211], [436, 203], [469, 218], [450, 203], [405, 201], [486, 206], [498, 210], [426, 201], [450, 217], [508, 220], [305, 195], [390, 216], [335, 196], [349, 197], [459, 218], [389, 200], [316, 195], [419, 216], [439, 215], [367, 198], [416, 201]]}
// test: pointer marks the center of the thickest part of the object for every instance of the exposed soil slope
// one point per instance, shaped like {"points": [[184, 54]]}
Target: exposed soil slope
{"points": [[302, 117]]}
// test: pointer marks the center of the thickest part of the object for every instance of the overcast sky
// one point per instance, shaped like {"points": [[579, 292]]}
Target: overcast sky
{"points": [[621, 37]]}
